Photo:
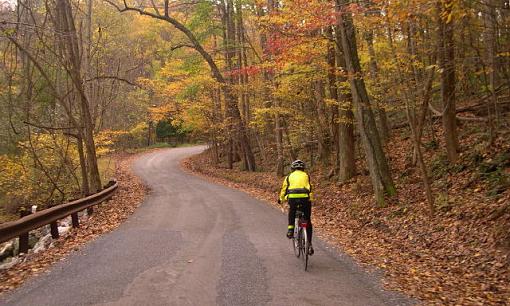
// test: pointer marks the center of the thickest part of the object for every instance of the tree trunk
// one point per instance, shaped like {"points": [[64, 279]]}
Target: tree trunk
{"points": [[85, 188], [230, 96], [383, 125], [292, 151], [446, 54], [376, 159], [242, 62], [491, 43], [423, 168], [279, 144], [427, 93], [71, 52], [270, 100], [322, 124], [411, 118], [346, 161], [333, 95]]}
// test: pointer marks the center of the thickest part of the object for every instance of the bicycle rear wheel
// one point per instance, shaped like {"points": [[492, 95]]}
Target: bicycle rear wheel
{"points": [[296, 243], [305, 247], [296, 239]]}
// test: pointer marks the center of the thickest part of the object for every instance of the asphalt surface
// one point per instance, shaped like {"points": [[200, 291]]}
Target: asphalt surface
{"points": [[197, 243]]}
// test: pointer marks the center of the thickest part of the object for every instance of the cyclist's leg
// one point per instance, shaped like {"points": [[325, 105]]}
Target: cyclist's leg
{"points": [[292, 211], [292, 215]]}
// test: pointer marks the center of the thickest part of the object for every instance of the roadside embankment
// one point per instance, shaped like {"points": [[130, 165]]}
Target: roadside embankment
{"points": [[456, 257]]}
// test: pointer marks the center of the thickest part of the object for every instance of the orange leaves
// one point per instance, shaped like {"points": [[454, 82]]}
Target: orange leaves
{"points": [[292, 30], [300, 16]]}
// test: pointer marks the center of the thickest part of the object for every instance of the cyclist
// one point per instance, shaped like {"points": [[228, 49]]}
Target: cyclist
{"points": [[296, 189]]}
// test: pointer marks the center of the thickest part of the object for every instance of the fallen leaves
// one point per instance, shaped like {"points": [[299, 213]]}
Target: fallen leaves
{"points": [[456, 257]]}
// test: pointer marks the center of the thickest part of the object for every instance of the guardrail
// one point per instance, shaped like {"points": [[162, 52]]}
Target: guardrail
{"points": [[21, 227]]}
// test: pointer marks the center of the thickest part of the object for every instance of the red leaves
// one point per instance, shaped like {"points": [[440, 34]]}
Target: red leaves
{"points": [[246, 71], [276, 45]]}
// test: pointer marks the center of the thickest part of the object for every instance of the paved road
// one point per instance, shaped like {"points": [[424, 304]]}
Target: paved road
{"points": [[197, 243]]}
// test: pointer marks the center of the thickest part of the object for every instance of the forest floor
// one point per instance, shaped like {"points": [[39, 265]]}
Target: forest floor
{"points": [[458, 256], [106, 217]]}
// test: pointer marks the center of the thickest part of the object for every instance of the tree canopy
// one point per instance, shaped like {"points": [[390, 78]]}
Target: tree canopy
{"points": [[325, 81]]}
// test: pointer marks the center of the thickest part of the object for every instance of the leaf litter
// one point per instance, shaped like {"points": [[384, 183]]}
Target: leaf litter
{"points": [[458, 256]]}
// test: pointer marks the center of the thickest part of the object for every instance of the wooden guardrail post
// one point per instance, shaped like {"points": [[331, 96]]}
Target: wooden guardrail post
{"points": [[23, 238], [75, 220], [54, 230]]}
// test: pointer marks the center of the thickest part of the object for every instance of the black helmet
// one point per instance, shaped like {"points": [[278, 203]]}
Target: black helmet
{"points": [[297, 164]]}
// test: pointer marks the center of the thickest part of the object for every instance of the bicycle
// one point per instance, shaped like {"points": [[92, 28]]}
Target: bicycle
{"points": [[300, 240]]}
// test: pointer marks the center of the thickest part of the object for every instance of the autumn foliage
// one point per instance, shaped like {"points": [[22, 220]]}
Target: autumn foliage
{"points": [[402, 107]]}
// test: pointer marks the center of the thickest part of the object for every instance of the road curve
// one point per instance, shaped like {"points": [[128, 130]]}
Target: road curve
{"points": [[197, 243]]}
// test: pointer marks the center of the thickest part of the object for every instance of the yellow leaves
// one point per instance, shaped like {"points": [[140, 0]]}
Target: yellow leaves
{"points": [[172, 69], [11, 170], [139, 130], [105, 140], [161, 112], [330, 102], [452, 10], [449, 18], [24, 178], [108, 141]]}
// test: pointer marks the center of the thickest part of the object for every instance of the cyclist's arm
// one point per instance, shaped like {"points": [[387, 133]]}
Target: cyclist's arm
{"points": [[283, 191]]}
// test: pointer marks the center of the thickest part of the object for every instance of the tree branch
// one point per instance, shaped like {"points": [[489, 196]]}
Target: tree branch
{"points": [[179, 46], [440, 114], [181, 27], [156, 8], [48, 127], [112, 77]]}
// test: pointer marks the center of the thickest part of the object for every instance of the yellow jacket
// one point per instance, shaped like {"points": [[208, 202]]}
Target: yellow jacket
{"points": [[296, 185]]}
